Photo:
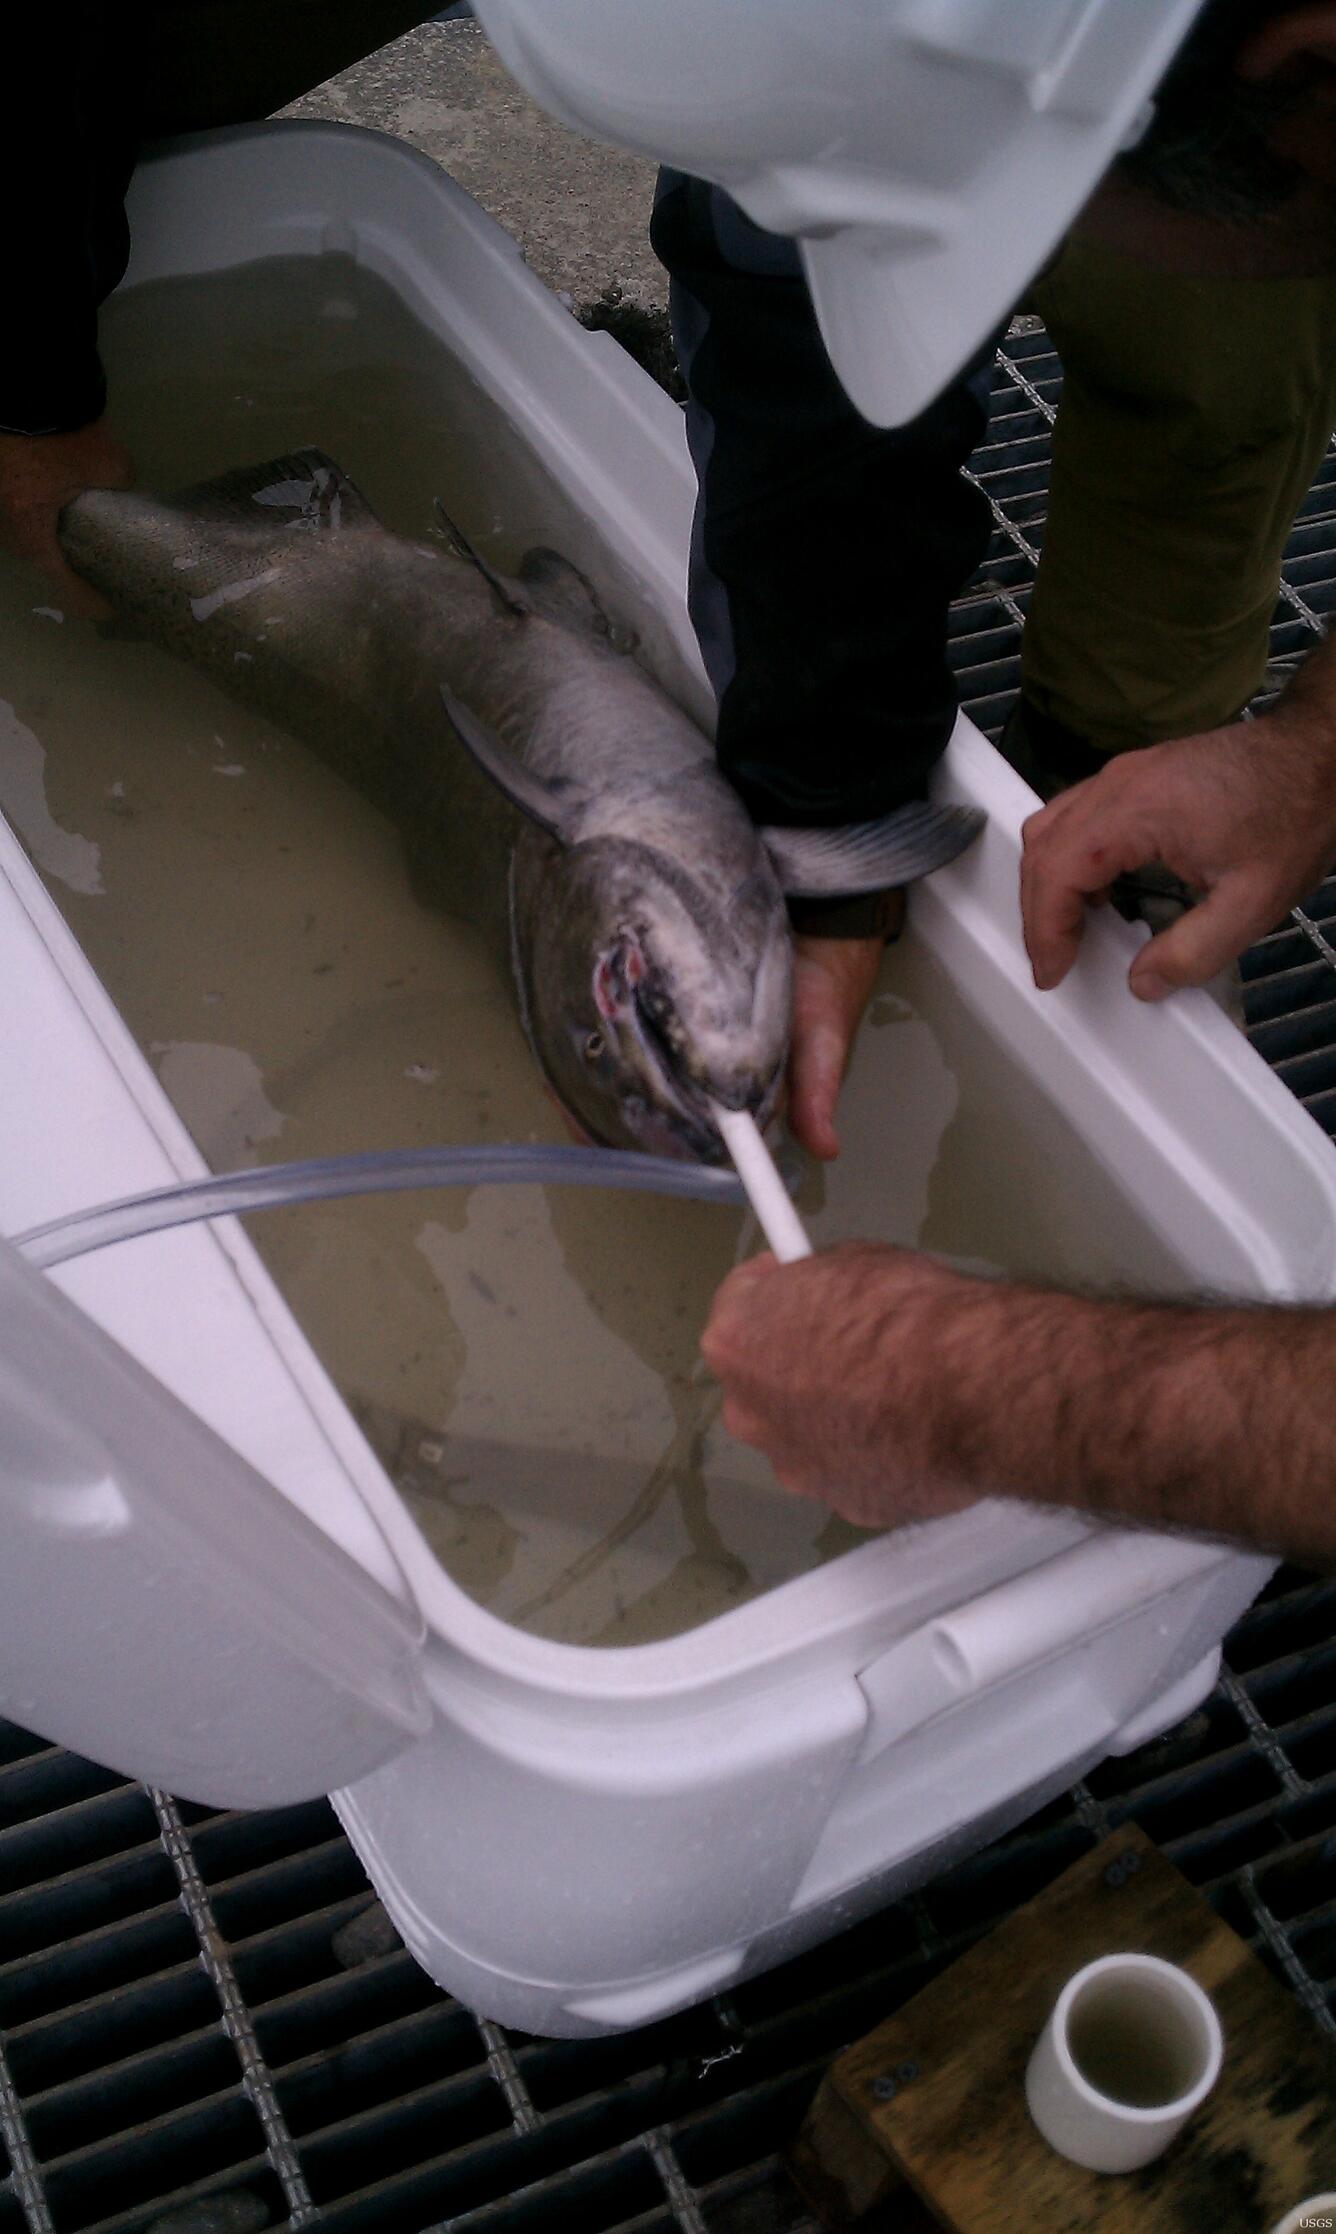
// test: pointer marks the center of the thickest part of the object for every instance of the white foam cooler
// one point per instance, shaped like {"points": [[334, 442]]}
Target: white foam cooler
{"points": [[210, 1583]]}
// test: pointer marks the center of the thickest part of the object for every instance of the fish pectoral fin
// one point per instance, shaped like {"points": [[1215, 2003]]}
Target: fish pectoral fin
{"points": [[563, 593], [859, 857], [552, 804]]}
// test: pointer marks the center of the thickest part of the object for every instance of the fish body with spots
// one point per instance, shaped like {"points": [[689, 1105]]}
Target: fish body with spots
{"points": [[496, 719]]}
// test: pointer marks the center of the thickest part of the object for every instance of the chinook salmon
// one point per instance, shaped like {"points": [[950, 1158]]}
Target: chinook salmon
{"points": [[647, 922]]}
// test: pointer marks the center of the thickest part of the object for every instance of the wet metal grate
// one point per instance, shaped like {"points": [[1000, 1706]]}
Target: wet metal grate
{"points": [[208, 2027]]}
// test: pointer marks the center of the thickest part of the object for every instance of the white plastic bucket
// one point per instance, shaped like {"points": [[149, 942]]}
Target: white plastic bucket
{"points": [[572, 1840]]}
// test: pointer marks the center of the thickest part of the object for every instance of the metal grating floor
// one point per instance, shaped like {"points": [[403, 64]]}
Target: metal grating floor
{"points": [[207, 2025]]}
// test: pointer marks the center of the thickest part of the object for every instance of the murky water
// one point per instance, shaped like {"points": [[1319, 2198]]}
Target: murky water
{"points": [[524, 1363]]}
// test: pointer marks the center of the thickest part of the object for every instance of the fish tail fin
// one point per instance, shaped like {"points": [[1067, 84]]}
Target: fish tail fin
{"points": [[304, 489]]}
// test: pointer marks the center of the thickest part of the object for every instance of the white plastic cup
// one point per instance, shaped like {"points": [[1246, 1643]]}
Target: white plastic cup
{"points": [[1132, 2048]]}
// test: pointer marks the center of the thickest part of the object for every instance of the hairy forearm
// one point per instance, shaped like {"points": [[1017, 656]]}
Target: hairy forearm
{"points": [[896, 1389], [1208, 1418]]}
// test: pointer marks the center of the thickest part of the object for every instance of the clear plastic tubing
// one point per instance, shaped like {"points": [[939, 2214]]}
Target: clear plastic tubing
{"points": [[385, 1171]]}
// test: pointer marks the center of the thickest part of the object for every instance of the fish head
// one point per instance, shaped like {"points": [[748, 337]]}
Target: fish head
{"points": [[644, 1001]]}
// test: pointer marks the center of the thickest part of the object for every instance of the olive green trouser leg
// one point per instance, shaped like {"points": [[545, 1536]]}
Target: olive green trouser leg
{"points": [[1194, 416], [203, 63]]}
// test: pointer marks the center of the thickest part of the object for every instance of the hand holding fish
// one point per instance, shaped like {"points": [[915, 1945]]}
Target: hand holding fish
{"points": [[39, 474], [833, 981], [1245, 815]]}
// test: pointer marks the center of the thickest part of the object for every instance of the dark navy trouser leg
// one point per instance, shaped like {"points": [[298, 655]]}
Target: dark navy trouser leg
{"points": [[826, 550]]}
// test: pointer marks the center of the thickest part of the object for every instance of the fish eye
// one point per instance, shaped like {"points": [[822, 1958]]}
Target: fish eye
{"points": [[593, 1047]]}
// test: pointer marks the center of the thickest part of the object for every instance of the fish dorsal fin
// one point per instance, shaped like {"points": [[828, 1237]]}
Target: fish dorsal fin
{"points": [[564, 594], [870, 856], [552, 803], [506, 599], [304, 490]]}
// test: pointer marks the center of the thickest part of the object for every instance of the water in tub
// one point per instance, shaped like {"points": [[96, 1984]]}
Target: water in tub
{"points": [[523, 1362]]}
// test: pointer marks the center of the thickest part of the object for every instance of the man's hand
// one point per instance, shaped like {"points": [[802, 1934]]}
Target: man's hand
{"points": [[833, 1368], [833, 981], [39, 475], [1246, 816]]}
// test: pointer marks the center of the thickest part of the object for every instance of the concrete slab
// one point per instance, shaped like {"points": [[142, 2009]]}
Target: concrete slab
{"points": [[581, 212]]}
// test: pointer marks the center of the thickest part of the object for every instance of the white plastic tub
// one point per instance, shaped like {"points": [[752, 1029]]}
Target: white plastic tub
{"points": [[572, 1840]]}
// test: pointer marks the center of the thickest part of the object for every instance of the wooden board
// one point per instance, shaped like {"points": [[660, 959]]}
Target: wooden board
{"points": [[935, 2096]]}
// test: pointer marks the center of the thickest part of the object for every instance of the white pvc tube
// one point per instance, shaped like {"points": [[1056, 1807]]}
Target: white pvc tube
{"points": [[766, 1192], [1132, 2048]]}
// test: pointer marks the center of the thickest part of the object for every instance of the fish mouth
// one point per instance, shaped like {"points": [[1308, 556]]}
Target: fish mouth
{"points": [[680, 1107], [682, 1135], [667, 1107], [665, 1114], [674, 1109]]}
